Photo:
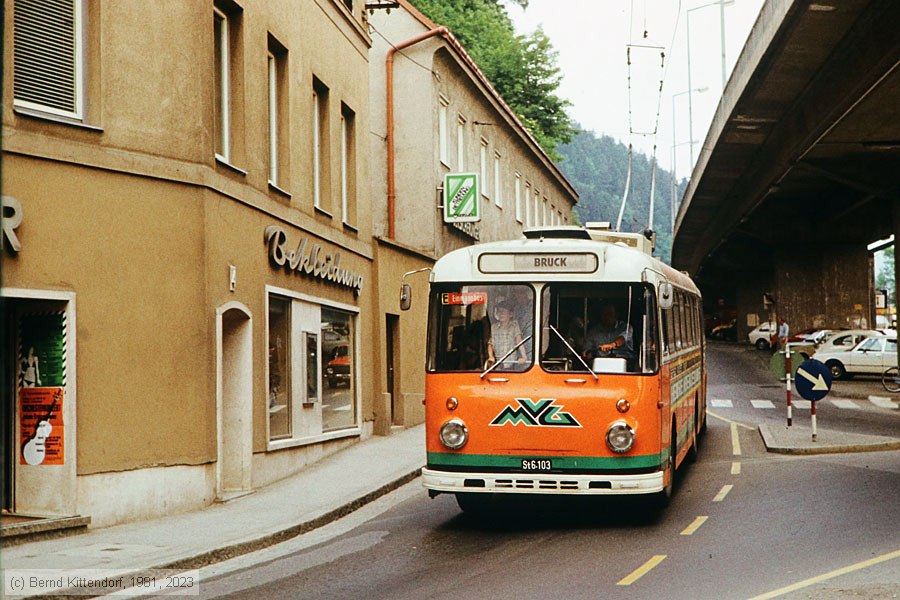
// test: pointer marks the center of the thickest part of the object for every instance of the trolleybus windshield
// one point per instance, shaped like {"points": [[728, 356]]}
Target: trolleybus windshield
{"points": [[474, 327], [612, 327]]}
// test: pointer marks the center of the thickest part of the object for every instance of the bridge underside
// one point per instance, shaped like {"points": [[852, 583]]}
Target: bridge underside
{"points": [[800, 170]]}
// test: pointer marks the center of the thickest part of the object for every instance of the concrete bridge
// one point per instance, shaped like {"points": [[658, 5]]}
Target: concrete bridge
{"points": [[800, 169]]}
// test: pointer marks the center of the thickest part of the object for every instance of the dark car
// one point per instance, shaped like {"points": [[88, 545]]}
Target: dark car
{"points": [[337, 371], [724, 331]]}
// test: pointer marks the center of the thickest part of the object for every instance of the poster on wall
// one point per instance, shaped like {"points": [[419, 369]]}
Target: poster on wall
{"points": [[41, 426], [42, 350]]}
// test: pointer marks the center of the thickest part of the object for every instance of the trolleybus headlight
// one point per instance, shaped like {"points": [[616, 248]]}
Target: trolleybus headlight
{"points": [[454, 434], [620, 437]]}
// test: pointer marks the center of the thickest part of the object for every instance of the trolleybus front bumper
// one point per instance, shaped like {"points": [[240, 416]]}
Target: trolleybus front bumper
{"points": [[541, 483]]}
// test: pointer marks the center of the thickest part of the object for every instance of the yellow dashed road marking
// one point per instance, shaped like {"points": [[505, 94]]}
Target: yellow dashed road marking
{"points": [[735, 440], [694, 526], [722, 493], [827, 576], [735, 468], [642, 570]]}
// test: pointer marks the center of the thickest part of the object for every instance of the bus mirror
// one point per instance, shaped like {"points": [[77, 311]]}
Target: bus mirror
{"points": [[405, 296], [665, 295]]}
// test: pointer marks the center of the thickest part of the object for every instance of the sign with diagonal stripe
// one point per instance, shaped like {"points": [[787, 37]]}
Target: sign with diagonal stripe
{"points": [[461, 199]]}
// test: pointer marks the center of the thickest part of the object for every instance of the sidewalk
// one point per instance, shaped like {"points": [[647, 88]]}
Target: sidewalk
{"points": [[797, 439], [328, 490]]}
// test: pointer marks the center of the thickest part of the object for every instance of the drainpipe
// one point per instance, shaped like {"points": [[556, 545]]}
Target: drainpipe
{"points": [[389, 64]]}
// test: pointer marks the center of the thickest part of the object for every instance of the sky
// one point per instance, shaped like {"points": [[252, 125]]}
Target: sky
{"points": [[593, 37]]}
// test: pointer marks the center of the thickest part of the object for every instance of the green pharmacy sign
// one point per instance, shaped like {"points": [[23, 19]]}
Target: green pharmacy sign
{"points": [[461, 200]]}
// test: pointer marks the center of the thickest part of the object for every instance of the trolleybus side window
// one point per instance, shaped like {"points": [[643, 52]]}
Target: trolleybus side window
{"points": [[474, 326], [608, 321]]}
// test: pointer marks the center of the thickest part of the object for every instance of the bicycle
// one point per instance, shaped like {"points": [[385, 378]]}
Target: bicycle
{"points": [[890, 379]]}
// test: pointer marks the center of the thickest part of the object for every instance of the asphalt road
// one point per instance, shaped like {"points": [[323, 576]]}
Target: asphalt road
{"points": [[743, 524]]}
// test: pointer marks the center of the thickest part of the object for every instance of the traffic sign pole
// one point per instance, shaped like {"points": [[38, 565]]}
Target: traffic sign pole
{"points": [[787, 381], [812, 416], [813, 383]]}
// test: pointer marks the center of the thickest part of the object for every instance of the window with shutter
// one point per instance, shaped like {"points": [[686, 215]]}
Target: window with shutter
{"points": [[48, 56]]}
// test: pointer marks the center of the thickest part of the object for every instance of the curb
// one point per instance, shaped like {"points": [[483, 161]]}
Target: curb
{"points": [[808, 449], [231, 551]]}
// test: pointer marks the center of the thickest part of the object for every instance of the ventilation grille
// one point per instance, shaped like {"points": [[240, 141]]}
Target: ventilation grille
{"points": [[45, 51], [536, 484]]}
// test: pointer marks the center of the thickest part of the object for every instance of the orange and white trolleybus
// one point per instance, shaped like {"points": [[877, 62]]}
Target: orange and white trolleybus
{"points": [[567, 362]]}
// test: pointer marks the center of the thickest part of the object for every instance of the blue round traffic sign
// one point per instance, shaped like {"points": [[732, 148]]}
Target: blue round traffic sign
{"points": [[813, 380]]}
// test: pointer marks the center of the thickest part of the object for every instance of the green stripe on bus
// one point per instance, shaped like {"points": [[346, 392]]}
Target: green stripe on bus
{"points": [[559, 462]]}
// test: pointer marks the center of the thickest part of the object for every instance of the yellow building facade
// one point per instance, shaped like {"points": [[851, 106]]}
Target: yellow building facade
{"points": [[435, 114], [187, 271]]}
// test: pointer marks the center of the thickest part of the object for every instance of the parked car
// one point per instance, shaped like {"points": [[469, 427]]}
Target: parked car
{"points": [[761, 335], [724, 331], [809, 335], [846, 339], [871, 355], [337, 371]]}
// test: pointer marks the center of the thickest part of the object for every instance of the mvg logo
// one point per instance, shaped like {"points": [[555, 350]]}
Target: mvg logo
{"points": [[542, 413]]}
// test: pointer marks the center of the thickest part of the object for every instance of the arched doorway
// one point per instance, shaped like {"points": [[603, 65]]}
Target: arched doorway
{"points": [[234, 387]]}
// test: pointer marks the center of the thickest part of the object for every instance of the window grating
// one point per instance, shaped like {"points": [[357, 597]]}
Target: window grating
{"points": [[46, 63]]}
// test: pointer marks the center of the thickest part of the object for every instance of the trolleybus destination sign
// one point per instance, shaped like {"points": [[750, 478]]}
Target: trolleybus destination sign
{"points": [[461, 201]]}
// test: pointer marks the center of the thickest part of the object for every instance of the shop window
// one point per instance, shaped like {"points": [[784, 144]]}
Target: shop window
{"points": [[279, 402], [338, 405], [315, 392]]}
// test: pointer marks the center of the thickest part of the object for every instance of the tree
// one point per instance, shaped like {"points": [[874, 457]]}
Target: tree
{"points": [[523, 69], [598, 168]]}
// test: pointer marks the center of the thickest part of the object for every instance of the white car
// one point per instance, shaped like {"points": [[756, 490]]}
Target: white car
{"points": [[872, 355], [845, 339], [760, 336]]}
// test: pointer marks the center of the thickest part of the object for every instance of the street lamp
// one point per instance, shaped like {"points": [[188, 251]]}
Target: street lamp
{"points": [[721, 4], [675, 144]]}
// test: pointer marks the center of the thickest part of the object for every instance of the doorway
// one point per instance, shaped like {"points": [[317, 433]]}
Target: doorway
{"points": [[7, 408], [391, 328], [235, 392]]}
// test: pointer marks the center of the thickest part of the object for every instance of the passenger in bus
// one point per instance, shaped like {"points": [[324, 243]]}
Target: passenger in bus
{"points": [[475, 353], [506, 335], [608, 336]]}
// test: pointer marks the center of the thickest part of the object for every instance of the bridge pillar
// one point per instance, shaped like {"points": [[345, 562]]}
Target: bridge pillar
{"points": [[749, 293], [824, 285]]}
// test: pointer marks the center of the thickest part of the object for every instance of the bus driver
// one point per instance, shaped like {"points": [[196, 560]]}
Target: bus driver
{"points": [[608, 335]]}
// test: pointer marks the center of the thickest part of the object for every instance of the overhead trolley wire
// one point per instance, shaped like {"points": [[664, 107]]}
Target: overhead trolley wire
{"points": [[655, 129]]}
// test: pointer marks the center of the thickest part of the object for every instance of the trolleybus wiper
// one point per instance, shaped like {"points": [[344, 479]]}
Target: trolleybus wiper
{"points": [[572, 350], [505, 356]]}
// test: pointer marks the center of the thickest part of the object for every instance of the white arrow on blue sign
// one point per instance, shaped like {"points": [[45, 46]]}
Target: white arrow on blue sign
{"points": [[813, 380]]}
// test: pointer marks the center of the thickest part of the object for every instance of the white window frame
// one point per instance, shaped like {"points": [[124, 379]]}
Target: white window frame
{"points": [[518, 196], [78, 34], [317, 151], [344, 167], [498, 200], [224, 123], [443, 141], [482, 157], [528, 222], [460, 144], [273, 119]]}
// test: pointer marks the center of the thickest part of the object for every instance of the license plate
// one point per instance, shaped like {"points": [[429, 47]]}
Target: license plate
{"points": [[536, 464]]}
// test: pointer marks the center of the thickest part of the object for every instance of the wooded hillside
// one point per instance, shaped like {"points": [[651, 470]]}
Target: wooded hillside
{"points": [[598, 168]]}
